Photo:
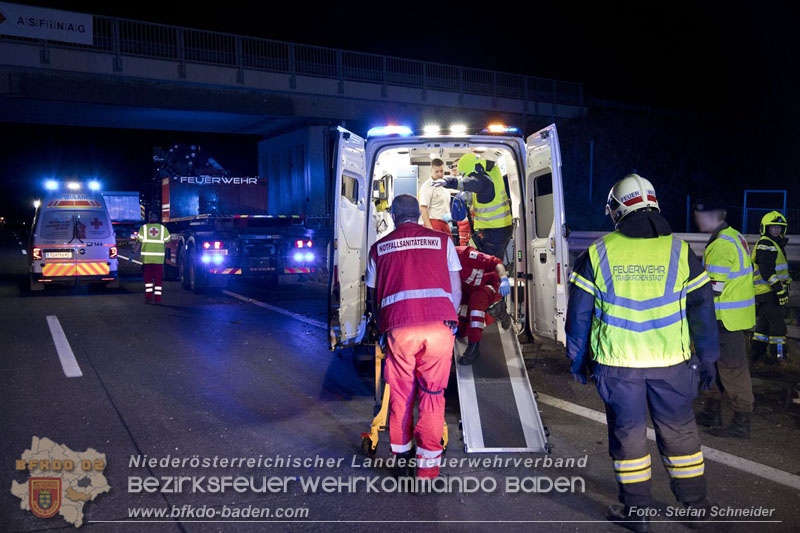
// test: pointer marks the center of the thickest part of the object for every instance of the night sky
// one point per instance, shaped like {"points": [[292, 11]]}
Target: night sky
{"points": [[722, 61]]}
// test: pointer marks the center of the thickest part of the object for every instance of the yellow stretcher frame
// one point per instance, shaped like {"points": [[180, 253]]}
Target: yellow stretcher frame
{"points": [[369, 439]]}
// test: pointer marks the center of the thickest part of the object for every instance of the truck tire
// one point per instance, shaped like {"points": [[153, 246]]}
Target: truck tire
{"points": [[195, 275], [183, 273], [113, 284]]}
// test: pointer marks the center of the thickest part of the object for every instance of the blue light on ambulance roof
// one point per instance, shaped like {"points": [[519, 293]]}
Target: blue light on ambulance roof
{"points": [[381, 131], [94, 185], [501, 128], [51, 185]]}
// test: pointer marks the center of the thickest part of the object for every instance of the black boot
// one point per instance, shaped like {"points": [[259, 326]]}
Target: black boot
{"points": [[470, 354], [621, 515], [405, 470], [739, 427], [699, 514], [499, 312], [712, 414]]}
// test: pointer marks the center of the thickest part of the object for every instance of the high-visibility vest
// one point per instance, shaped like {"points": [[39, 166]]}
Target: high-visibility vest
{"points": [[763, 286], [153, 237], [728, 264], [494, 214], [640, 288], [412, 279]]}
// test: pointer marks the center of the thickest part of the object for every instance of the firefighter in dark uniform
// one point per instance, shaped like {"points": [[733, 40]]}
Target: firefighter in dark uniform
{"points": [[491, 207], [639, 298], [771, 283]]}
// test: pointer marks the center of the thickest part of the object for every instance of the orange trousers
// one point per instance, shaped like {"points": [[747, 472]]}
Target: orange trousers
{"points": [[418, 366]]}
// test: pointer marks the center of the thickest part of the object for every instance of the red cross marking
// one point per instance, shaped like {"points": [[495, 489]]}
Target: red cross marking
{"points": [[96, 223], [153, 232]]}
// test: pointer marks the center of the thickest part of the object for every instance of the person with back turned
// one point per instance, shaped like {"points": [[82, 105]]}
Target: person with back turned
{"points": [[727, 261], [413, 275], [639, 299], [151, 239]]}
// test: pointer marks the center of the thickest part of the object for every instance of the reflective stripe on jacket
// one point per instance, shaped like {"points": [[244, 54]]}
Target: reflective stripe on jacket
{"points": [[763, 286], [153, 237], [497, 212]]}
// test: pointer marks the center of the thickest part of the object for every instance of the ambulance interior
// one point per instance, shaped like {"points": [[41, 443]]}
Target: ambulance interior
{"points": [[403, 170]]}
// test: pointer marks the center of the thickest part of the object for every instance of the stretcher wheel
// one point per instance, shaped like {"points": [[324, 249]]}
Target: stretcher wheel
{"points": [[366, 447], [549, 448], [546, 431]]}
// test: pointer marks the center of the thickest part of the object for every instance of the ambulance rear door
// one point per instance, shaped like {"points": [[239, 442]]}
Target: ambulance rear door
{"points": [[347, 258], [547, 253]]}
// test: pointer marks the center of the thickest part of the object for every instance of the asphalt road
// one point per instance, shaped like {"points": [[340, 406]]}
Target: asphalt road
{"points": [[213, 375]]}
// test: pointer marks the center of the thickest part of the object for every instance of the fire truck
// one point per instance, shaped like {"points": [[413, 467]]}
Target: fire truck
{"points": [[220, 224]]}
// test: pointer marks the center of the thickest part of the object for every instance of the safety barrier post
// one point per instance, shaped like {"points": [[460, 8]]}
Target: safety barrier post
{"points": [[44, 53], [117, 47], [339, 72], [292, 68], [181, 54], [384, 88], [460, 86], [239, 61]]}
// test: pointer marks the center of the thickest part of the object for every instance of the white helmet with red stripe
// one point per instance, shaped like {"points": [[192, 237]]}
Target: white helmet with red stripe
{"points": [[630, 194]]}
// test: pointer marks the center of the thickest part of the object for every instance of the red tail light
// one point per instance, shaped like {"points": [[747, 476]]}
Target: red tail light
{"points": [[206, 245], [112, 252], [309, 244], [37, 254], [298, 244], [217, 245]]}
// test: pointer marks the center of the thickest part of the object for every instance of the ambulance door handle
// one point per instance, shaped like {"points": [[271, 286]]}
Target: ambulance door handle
{"points": [[543, 258]]}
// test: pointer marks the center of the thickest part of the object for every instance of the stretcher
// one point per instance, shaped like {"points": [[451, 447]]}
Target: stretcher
{"points": [[498, 407]]}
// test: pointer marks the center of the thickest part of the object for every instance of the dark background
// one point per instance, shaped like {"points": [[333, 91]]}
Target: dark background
{"points": [[714, 87]]}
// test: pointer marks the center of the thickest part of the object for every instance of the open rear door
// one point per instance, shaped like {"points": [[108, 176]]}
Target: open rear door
{"points": [[547, 252], [347, 302]]}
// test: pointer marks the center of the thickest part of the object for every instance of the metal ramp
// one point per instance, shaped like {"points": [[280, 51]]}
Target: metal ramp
{"points": [[498, 408]]}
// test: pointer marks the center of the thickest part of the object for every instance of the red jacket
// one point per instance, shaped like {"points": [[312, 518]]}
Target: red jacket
{"points": [[412, 280], [477, 268]]}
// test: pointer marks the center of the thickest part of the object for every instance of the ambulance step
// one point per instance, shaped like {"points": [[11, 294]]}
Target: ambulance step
{"points": [[498, 408]]}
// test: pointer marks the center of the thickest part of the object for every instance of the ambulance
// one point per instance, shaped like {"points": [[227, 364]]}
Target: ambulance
{"points": [[498, 407], [72, 240]]}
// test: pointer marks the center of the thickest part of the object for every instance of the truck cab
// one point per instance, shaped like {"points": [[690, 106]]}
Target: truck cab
{"points": [[368, 173], [72, 240]]}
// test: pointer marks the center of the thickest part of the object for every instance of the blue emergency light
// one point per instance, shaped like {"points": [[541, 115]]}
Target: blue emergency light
{"points": [[51, 185], [383, 131], [94, 185], [501, 128]]}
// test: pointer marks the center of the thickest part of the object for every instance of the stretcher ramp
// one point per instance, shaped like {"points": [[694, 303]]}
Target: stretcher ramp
{"points": [[498, 409]]}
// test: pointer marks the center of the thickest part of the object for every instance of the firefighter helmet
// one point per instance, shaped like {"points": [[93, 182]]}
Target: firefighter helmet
{"points": [[773, 218], [630, 194]]}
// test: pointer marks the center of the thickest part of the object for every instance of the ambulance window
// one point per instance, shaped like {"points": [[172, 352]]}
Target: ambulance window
{"points": [[91, 225], [55, 225], [543, 193], [350, 188]]}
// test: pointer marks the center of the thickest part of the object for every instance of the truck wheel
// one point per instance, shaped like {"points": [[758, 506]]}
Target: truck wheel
{"points": [[113, 284], [36, 286], [195, 280], [182, 271]]}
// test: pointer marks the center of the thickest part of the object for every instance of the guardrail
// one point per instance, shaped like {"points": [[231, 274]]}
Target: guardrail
{"points": [[122, 37]]}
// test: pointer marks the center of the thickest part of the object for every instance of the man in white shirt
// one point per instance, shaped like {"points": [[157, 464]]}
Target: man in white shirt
{"points": [[434, 202]]}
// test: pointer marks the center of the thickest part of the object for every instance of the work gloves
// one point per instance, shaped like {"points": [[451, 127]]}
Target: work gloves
{"points": [[708, 375], [505, 287], [783, 294], [449, 183], [578, 370]]}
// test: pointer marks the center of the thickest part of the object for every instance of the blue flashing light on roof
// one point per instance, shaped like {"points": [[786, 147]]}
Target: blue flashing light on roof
{"points": [[382, 131], [94, 185], [51, 185]]}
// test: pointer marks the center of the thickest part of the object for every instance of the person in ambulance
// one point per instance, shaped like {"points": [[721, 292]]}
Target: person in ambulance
{"points": [[484, 284], [434, 201], [72, 241]]}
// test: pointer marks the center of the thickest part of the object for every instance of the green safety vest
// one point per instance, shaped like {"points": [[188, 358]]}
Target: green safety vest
{"points": [[639, 289], [728, 264], [153, 237], [763, 286], [494, 214]]}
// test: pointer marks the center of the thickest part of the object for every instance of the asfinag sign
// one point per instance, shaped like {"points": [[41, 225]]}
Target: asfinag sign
{"points": [[41, 23]]}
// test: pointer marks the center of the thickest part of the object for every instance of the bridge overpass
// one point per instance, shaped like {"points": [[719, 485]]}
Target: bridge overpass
{"points": [[145, 75]]}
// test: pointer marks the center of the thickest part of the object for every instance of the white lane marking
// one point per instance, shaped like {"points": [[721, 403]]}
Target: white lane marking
{"points": [[734, 461], [24, 252], [68, 362], [280, 310], [19, 242], [129, 259]]}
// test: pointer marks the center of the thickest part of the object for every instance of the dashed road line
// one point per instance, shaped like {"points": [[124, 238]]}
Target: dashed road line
{"points": [[280, 310], [24, 252], [134, 261], [734, 461], [65, 355]]}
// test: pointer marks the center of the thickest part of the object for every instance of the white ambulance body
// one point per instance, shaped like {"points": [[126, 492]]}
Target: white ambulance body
{"points": [[395, 161], [72, 240]]}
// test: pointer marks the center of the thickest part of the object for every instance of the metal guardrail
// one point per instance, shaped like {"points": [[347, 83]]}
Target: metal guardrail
{"points": [[123, 37]]}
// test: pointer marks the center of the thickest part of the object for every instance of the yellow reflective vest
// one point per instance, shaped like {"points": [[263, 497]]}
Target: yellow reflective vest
{"points": [[153, 237], [729, 266], [494, 214], [640, 288]]}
